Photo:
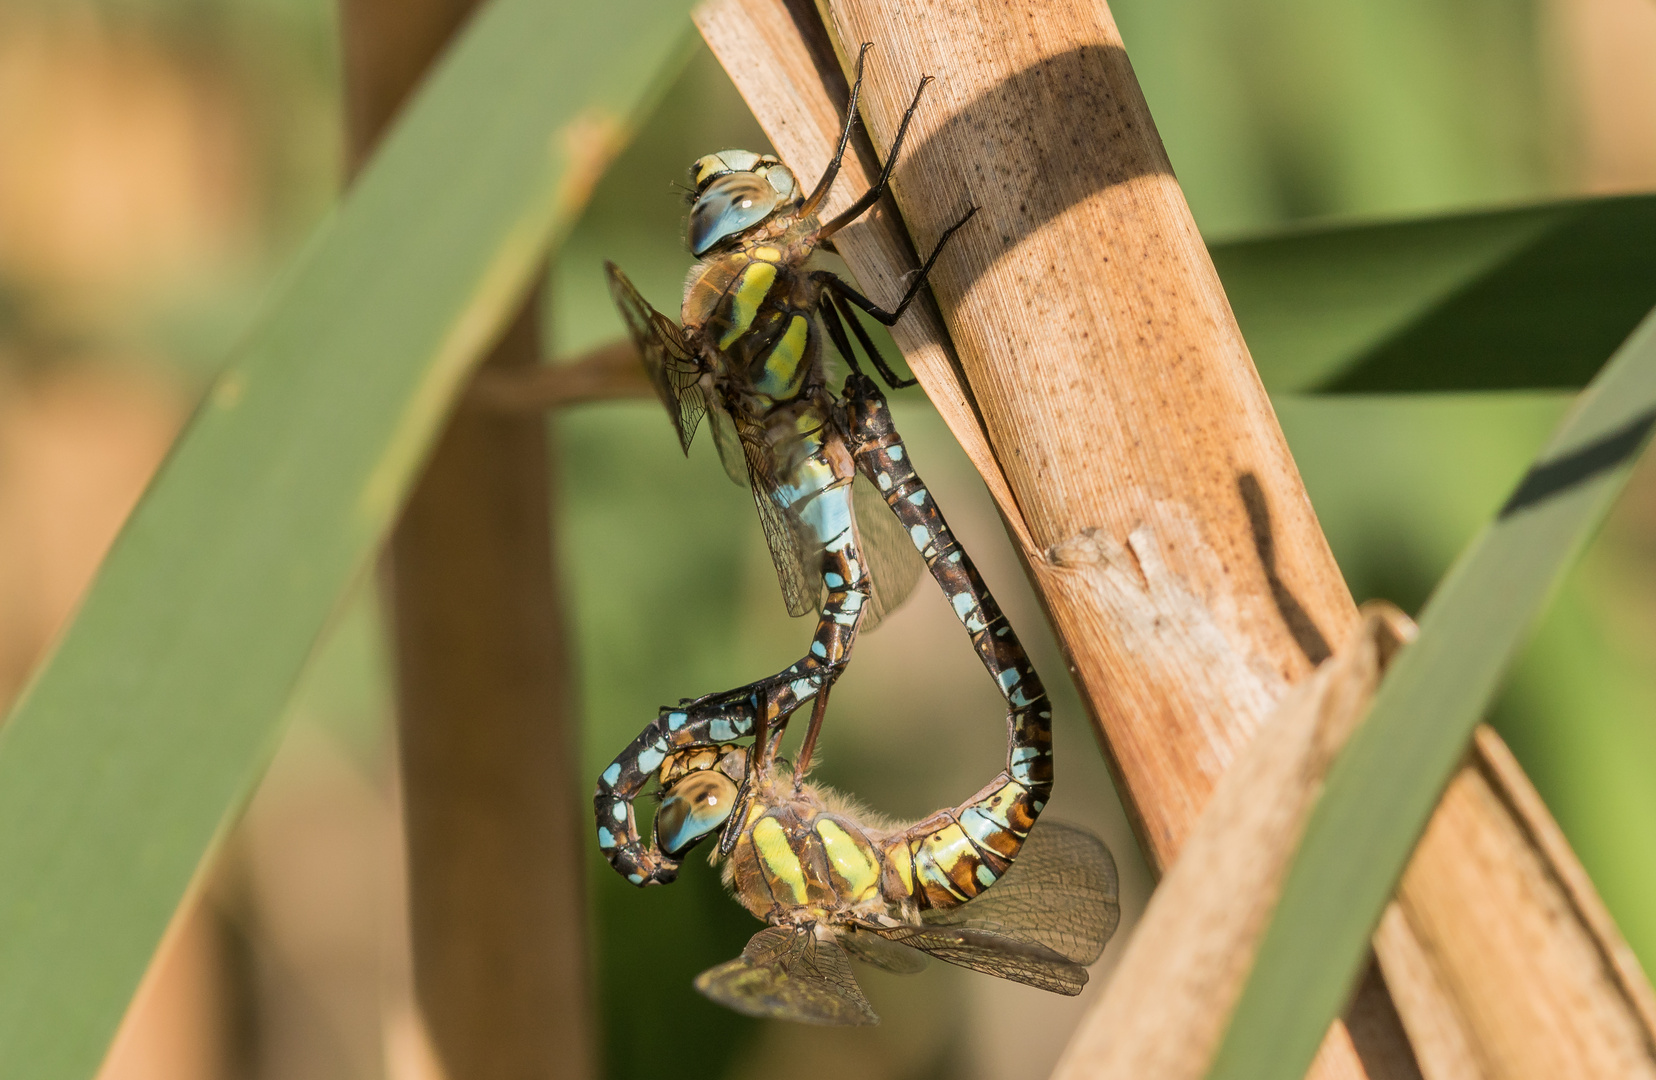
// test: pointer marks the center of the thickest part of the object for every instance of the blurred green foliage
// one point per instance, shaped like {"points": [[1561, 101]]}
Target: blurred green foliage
{"points": [[1274, 112], [152, 719], [1530, 298], [1382, 789], [1277, 110]]}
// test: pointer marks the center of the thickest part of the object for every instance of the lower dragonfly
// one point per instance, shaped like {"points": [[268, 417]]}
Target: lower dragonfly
{"points": [[849, 524]]}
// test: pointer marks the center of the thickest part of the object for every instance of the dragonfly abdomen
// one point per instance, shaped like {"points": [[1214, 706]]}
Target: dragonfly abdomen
{"points": [[959, 853], [955, 855]]}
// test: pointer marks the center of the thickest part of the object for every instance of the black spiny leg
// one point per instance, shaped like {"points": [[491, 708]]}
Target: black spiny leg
{"points": [[891, 377], [828, 174], [836, 330], [889, 318], [834, 317], [872, 195]]}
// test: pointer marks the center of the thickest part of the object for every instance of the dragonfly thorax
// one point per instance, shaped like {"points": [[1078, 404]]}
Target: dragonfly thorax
{"points": [[751, 310], [799, 860]]}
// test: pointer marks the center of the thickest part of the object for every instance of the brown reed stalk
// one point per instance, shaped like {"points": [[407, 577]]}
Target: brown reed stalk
{"points": [[607, 373], [1166, 1005], [1093, 371], [486, 719]]}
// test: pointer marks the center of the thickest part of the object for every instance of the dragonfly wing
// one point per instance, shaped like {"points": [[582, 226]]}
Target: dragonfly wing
{"points": [[728, 441], [870, 948], [993, 954], [1060, 893], [894, 564], [672, 365], [793, 549], [790, 973]]}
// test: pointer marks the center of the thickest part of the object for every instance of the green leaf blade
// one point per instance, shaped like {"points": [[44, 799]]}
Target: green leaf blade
{"points": [[124, 760], [1530, 297], [1382, 789]]}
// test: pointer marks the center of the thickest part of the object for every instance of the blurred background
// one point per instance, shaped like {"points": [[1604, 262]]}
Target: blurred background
{"points": [[160, 160]]}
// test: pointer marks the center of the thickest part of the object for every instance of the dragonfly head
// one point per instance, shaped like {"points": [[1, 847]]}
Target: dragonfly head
{"points": [[698, 792], [736, 190]]}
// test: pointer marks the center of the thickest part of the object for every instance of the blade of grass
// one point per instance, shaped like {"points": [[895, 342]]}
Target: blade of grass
{"points": [[1383, 787], [1524, 298], [150, 724]]}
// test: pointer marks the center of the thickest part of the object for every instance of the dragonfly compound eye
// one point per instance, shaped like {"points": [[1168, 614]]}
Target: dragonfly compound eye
{"points": [[725, 161], [781, 178], [730, 205], [692, 808]]}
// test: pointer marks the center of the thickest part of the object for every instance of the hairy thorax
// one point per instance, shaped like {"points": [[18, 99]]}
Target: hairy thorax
{"points": [[800, 858], [749, 312]]}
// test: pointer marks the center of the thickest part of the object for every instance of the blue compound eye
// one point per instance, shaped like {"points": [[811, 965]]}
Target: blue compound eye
{"points": [[692, 808], [781, 178], [730, 205]]}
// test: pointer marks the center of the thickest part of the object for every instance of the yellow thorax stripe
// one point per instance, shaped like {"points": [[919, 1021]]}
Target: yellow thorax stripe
{"points": [[851, 862], [900, 859], [782, 371], [782, 866], [751, 290]]}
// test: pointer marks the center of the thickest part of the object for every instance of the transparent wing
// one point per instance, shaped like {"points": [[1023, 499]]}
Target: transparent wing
{"points": [[794, 551], [789, 973], [870, 948], [1060, 892], [1040, 924], [671, 364], [893, 562], [993, 954], [728, 441]]}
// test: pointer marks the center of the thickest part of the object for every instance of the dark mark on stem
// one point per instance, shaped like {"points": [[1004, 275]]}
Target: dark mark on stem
{"points": [[1298, 620]]}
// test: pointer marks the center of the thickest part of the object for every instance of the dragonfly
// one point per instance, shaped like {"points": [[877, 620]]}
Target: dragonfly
{"points": [[850, 525]]}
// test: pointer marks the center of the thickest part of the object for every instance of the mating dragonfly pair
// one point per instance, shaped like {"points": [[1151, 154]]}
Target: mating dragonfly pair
{"points": [[846, 516]]}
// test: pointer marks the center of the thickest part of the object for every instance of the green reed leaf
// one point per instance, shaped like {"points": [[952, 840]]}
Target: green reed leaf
{"points": [[151, 723], [1383, 787], [1526, 298]]}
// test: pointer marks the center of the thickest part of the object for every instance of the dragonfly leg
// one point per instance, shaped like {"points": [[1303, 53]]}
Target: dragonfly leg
{"points": [[958, 853], [831, 317], [840, 287], [835, 314], [807, 749], [891, 377], [820, 192], [872, 195]]}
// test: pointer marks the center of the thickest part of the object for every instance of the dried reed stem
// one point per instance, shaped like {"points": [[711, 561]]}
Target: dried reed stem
{"points": [[608, 373], [1094, 373], [1164, 1010]]}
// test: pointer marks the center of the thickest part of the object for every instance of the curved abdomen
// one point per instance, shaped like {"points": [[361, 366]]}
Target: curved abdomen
{"points": [[955, 854]]}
